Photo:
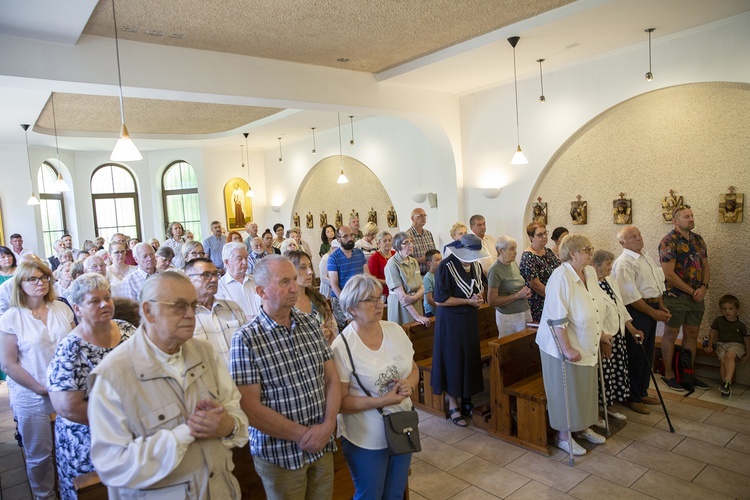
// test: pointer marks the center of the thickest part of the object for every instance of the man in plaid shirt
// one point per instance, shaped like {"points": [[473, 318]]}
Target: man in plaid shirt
{"points": [[290, 389]]}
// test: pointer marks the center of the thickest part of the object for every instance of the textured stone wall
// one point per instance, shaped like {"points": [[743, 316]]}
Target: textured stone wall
{"points": [[320, 193], [694, 139]]}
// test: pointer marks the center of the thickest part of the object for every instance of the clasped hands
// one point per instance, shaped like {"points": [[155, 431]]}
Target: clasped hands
{"points": [[209, 420]]}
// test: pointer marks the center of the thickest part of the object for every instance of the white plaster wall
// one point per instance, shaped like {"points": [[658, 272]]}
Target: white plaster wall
{"points": [[575, 95], [396, 151]]}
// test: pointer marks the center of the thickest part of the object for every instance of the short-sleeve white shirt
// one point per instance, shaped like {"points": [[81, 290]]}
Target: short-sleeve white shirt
{"points": [[582, 311], [241, 293], [377, 370], [638, 276]]}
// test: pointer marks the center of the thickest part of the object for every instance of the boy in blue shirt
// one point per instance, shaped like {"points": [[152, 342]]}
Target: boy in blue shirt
{"points": [[432, 257]]}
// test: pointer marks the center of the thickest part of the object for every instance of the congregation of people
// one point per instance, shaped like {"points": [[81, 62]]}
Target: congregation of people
{"points": [[160, 357]]}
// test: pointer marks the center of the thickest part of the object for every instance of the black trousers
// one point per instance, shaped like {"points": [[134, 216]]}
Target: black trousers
{"points": [[638, 365]]}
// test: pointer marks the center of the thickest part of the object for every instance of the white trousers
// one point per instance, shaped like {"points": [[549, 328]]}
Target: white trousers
{"points": [[39, 448]]}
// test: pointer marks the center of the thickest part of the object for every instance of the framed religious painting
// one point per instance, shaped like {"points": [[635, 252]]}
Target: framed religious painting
{"points": [[238, 206], [731, 206]]}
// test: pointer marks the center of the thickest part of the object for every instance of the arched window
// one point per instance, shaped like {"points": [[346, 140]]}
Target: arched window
{"points": [[179, 189], [115, 199], [52, 207]]}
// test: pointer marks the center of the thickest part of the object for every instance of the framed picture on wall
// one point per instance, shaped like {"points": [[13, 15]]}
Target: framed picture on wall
{"points": [[238, 206]]}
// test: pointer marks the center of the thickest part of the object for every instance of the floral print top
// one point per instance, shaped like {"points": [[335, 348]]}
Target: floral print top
{"points": [[536, 266], [687, 254]]}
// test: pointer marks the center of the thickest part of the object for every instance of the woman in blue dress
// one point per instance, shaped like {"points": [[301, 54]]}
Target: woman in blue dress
{"points": [[77, 355], [456, 360]]}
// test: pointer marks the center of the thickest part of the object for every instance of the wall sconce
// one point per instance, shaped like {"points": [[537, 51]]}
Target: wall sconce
{"points": [[490, 193], [432, 200], [419, 197], [276, 208]]}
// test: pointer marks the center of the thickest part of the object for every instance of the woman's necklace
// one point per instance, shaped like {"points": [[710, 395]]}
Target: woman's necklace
{"points": [[37, 313]]}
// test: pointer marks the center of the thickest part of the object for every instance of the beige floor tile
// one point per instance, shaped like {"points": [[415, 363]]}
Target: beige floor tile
{"points": [[614, 445], [698, 430], [441, 455], [740, 401], [444, 430], [538, 491], [18, 492], [550, 472], [651, 419], [740, 442], [13, 477], [609, 467], [423, 415], [654, 458], [704, 404], [737, 411], [724, 481], [11, 461], [710, 453], [9, 448], [654, 437], [660, 485], [489, 477], [596, 488], [413, 495], [8, 436], [434, 484], [685, 410], [473, 493], [729, 421], [495, 450]]}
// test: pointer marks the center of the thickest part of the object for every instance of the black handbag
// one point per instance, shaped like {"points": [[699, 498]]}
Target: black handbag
{"points": [[401, 427]]}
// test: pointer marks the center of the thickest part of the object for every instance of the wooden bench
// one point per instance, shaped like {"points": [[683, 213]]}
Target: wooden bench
{"points": [[517, 388], [705, 360], [422, 338]]}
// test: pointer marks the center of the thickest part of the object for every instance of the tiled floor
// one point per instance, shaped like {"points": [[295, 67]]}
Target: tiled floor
{"points": [[708, 457]]}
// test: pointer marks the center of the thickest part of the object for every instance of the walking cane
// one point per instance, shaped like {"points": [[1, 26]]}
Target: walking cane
{"points": [[604, 392], [551, 324], [639, 341]]}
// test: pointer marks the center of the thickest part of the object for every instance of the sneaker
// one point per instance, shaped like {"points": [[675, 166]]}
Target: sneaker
{"points": [[699, 384], [616, 415], [578, 450], [673, 384], [591, 437], [601, 424], [726, 389]]}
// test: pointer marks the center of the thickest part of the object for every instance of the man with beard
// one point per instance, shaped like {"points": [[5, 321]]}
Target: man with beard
{"points": [[344, 263], [684, 260], [216, 320]]}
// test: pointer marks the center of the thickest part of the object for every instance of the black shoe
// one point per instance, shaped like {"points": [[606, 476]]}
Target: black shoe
{"points": [[467, 407], [673, 384], [455, 416], [699, 384]]}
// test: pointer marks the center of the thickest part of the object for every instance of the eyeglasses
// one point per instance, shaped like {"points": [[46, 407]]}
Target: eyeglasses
{"points": [[587, 249], [177, 308], [374, 300], [36, 279], [196, 254], [119, 252], [206, 275], [539, 235]]}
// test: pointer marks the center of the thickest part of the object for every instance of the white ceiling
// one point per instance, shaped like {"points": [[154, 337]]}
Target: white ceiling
{"points": [[566, 36]]}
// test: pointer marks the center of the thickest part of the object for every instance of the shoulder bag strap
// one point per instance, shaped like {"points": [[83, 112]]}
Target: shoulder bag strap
{"points": [[354, 370]]}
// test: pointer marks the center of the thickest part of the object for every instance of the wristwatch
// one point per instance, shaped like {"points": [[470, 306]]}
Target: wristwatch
{"points": [[704, 284]]}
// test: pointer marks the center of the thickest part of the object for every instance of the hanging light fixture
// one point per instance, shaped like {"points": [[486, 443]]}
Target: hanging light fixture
{"points": [[518, 158], [541, 81], [250, 192], [33, 200], [351, 122], [124, 150], [60, 185], [649, 75], [314, 149], [281, 154], [342, 178]]}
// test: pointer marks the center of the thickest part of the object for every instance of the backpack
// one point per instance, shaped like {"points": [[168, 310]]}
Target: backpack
{"points": [[682, 364]]}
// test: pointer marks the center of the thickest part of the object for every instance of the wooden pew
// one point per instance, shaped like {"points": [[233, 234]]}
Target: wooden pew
{"points": [[516, 385], [422, 339]]}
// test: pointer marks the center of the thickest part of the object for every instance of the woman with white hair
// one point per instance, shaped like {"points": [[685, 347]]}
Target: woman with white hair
{"points": [[288, 245], [574, 306], [76, 356], [404, 283], [367, 242], [506, 291], [383, 358]]}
